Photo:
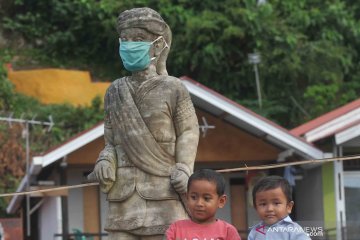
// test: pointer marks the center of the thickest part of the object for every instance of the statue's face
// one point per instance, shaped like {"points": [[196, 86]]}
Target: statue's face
{"points": [[136, 35], [136, 49]]}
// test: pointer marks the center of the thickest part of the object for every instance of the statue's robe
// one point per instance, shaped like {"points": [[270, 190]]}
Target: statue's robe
{"points": [[143, 122]]}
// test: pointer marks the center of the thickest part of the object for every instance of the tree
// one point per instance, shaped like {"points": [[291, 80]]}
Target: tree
{"points": [[308, 47], [68, 120]]}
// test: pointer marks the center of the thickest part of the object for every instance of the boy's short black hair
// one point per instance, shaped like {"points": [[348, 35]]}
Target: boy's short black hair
{"points": [[211, 176], [272, 182]]}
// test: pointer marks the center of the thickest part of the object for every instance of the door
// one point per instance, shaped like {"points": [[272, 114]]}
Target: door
{"points": [[352, 204]]}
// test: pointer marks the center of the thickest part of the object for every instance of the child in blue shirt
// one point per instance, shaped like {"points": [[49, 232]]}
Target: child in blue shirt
{"points": [[272, 199]]}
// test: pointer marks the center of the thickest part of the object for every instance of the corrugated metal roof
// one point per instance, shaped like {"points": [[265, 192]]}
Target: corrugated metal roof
{"points": [[323, 119]]}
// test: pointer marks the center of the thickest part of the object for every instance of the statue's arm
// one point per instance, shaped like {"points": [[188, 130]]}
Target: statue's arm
{"points": [[187, 138], [186, 147], [105, 167], [187, 141], [108, 153]]}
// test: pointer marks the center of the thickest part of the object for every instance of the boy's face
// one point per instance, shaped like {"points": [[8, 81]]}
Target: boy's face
{"points": [[272, 205], [203, 201]]}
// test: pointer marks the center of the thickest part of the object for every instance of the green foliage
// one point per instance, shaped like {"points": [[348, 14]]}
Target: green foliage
{"points": [[6, 88], [269, 110], [8, 183], [310, 61], [68, 120], [66, 33], [309, 48]]}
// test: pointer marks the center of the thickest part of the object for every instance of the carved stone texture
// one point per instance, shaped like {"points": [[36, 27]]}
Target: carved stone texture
{"points": [[151, 134]]}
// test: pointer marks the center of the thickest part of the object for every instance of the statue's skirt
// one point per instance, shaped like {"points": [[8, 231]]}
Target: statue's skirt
{"points": [[143, 217]]}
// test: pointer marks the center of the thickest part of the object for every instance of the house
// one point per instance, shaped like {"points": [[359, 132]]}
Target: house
{"points": [[231, 136], [338, 132]]}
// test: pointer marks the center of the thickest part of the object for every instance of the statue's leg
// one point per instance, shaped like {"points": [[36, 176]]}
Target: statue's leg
{"points": [[154, 237], [122, 236], [129, 236]]}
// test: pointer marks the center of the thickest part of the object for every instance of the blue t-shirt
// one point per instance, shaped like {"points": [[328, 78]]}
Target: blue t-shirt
{"points": [[284, 229]]}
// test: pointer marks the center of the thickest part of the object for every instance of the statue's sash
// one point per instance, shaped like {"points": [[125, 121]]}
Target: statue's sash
{"points": [[137, 141]]}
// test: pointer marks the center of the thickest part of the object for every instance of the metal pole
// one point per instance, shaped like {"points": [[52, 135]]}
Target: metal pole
{"points": [[28, 227], [254, 58], [258, 85], [26, 134]]}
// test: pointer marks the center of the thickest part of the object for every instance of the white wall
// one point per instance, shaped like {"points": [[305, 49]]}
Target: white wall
{"points": [[309, 196], [50, 218], [75, 199], [225, 212]]}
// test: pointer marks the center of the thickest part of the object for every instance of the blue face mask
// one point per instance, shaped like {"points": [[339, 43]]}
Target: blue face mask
{"points": [[135, 55]]}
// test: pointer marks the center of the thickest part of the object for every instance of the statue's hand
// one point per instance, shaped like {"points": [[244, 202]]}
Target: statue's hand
{"points": [[105, 174], [178, 180]]}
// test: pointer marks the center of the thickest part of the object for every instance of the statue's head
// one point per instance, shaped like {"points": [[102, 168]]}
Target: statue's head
{"points": [[152, 22]]}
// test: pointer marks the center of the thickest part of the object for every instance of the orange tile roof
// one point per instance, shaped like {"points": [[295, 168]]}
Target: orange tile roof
{"points": [[52, 86]]}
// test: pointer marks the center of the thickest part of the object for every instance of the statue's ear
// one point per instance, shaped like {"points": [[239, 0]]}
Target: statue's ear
{"points": [[161, 63], [159, 46]]}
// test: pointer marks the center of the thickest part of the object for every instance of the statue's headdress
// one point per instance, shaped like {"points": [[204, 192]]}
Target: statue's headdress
{"points": [[151, 21]]}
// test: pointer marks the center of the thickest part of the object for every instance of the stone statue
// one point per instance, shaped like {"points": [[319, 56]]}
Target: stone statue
{"points": [[151, 134]]}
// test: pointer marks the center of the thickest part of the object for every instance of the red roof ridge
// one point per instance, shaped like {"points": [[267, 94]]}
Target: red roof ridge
{"points": [[312, 124]]}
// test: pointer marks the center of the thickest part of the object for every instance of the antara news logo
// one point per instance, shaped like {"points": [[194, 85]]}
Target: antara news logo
{"points": [[310, 231]]}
